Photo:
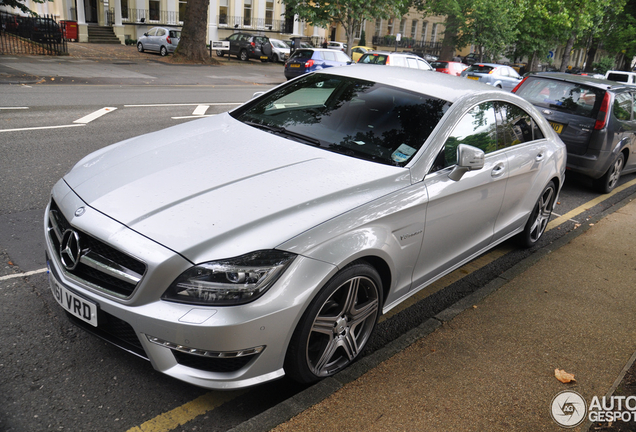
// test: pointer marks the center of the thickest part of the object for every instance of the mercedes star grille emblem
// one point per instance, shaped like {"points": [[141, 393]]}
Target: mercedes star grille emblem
{"points": [[70, 250]]}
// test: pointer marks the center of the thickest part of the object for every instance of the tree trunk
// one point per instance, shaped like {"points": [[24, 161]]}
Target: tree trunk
{"points": [[591, 53], [448, 44], [192, 43], [566, 54], [532, 64]]}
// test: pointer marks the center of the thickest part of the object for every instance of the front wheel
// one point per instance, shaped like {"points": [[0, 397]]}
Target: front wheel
{"points": [[337, 324], [539, 217], [140, 47], [610, 179], [163, 51], [219, 53]]}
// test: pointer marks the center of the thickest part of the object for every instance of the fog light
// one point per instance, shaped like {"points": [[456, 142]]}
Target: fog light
{"points": [[205, 353]]}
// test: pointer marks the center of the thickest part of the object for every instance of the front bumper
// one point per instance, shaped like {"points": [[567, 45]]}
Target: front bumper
{"points": [[213, 347]]}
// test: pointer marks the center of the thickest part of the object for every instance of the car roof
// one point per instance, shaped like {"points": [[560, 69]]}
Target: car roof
{"points": [[393, 53], [441, 86], [584, 79], [490, 64]]}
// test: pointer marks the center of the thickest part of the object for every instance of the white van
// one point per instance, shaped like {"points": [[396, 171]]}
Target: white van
{"points": [[622, 76]]}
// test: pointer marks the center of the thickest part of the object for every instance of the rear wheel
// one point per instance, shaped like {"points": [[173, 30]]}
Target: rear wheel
{"points": [[163, 51], [219, 53], [243, 55], [337, 324], [610, 179], [539, 217], [140, 47]]}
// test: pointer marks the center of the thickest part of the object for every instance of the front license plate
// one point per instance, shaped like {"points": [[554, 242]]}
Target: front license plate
{"points": [[294, 65], [74, 304], [558, 128], [473, 78]]}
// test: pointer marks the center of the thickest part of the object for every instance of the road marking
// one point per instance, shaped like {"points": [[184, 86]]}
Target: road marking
{"points": [[200, 110], [181, 415], [184, 104], [11, 108], [40, 127], [95, 115], [19, 275]]}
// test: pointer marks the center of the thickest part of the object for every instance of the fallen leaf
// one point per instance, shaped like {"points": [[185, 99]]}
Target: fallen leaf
{"points": [[563, 376]]}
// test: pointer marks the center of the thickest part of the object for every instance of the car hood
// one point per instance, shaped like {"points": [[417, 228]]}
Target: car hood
{"points": [[216, 188]]}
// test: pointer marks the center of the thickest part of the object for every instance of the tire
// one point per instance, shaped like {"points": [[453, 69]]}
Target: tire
{"points": [[163, 51], [539, 218], [337, 324], [140, 47], [219, 53], [243, 55], [610, 179]]}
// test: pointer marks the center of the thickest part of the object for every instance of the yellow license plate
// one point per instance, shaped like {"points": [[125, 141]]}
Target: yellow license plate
{"points": [[264, 57], [294, 65], [473, 78], [558, 128]]}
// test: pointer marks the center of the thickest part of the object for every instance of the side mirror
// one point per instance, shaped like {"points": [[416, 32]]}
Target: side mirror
{"points": [[469, 158]]}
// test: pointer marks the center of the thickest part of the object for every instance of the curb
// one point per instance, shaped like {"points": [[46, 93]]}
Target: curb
{"points": [[313, 395]]}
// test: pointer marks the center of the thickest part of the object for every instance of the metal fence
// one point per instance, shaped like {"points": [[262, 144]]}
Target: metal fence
{"points": [[409, 44], [40, 35], [253, 24], [150, 16]]}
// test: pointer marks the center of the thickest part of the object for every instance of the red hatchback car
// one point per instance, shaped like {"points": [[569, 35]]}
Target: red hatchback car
{"points": [[449, 67]]}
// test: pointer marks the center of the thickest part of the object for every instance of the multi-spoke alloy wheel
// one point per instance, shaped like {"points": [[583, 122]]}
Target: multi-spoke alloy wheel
{"points": [[539, 217], [337, 325], [610, 179]]}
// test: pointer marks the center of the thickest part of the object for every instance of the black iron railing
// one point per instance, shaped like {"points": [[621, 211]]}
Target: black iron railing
{"points": [[40, 35], [263, 24], [150, 16], [408, 43]]}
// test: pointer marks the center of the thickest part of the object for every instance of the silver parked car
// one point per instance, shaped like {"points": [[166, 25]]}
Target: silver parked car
{"points": [[160, 39], [496, 75], [266, 241], [388, 58], [280, 50]]}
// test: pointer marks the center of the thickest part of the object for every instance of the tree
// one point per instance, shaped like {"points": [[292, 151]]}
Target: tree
{"points": [[350, 14], [20, 5], [192, 45]]}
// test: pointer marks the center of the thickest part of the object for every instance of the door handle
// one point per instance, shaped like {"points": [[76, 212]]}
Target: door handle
{"points": [[540, 155], [498, 170]]}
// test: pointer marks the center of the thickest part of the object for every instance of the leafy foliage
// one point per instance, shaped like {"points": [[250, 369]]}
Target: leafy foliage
{"points": [[18, 4]]}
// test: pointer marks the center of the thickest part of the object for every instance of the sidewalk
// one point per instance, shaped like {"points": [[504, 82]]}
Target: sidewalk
{"points": [[487, 364]]}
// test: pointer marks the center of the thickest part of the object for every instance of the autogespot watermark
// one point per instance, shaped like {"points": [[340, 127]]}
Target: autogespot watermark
{"points": [[569, 409]]}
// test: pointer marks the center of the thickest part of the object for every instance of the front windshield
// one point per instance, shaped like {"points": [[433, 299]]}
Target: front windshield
{"points": [[362, 119]]}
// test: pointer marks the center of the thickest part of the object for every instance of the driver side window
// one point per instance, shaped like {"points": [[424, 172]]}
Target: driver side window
{"points": [[477, 128]]}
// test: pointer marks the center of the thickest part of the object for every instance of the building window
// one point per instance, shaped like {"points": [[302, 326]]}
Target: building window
{"points": [[378, 26], [403, 27], [247, 13], [153, 7], [359, 28], [389, 26], [182, 10], [424, 31], [413, 28], [223, 7], [124, 9], [434, 34], [269, 12]]}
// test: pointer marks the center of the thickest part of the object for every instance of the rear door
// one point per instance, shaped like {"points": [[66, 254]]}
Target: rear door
{"points": [[625, 130]]}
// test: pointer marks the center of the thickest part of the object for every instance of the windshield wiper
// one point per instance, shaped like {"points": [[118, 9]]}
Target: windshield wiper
{"points": [[284, 132]]}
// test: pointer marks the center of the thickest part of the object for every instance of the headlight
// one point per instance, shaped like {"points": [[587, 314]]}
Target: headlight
{"points": [[229, 282]]}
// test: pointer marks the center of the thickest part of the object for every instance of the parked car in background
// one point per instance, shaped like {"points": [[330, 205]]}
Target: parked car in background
{"points": [[160, 39], [39, 29], [593, 117], [246, 46], [426, 56], [338, 46], [622, 77], [449, 67], [496, 75], [280, 50], [312, 59], [394, 59], [357, 51], [359, 187], [473, 58], [9, 22]]}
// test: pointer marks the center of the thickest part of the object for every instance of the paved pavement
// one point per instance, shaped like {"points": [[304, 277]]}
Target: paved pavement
{"points": [[486, 363]]}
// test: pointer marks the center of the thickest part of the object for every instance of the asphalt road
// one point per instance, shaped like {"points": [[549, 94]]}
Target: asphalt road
{"points": [[53, 376]]}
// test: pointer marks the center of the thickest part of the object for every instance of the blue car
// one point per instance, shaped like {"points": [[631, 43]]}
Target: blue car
{"points": [[306, 60]]}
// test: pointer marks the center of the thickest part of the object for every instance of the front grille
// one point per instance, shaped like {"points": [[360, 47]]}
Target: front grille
{"points": [[113, 330], [100, 265], [212, 364]]}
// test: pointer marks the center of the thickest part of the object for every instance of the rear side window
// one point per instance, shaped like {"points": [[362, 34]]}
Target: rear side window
{"points": [[623, 106], [175, 34], [515, 126], [480, 69], [562, 96], [329, 56], [341, 57]]}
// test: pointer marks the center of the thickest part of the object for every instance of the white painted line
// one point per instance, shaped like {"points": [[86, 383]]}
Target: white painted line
{"points": [[200, 110], [184, 104], [97, 114], [40, 127], [19, 275], [9, 108], [192, 117]]}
